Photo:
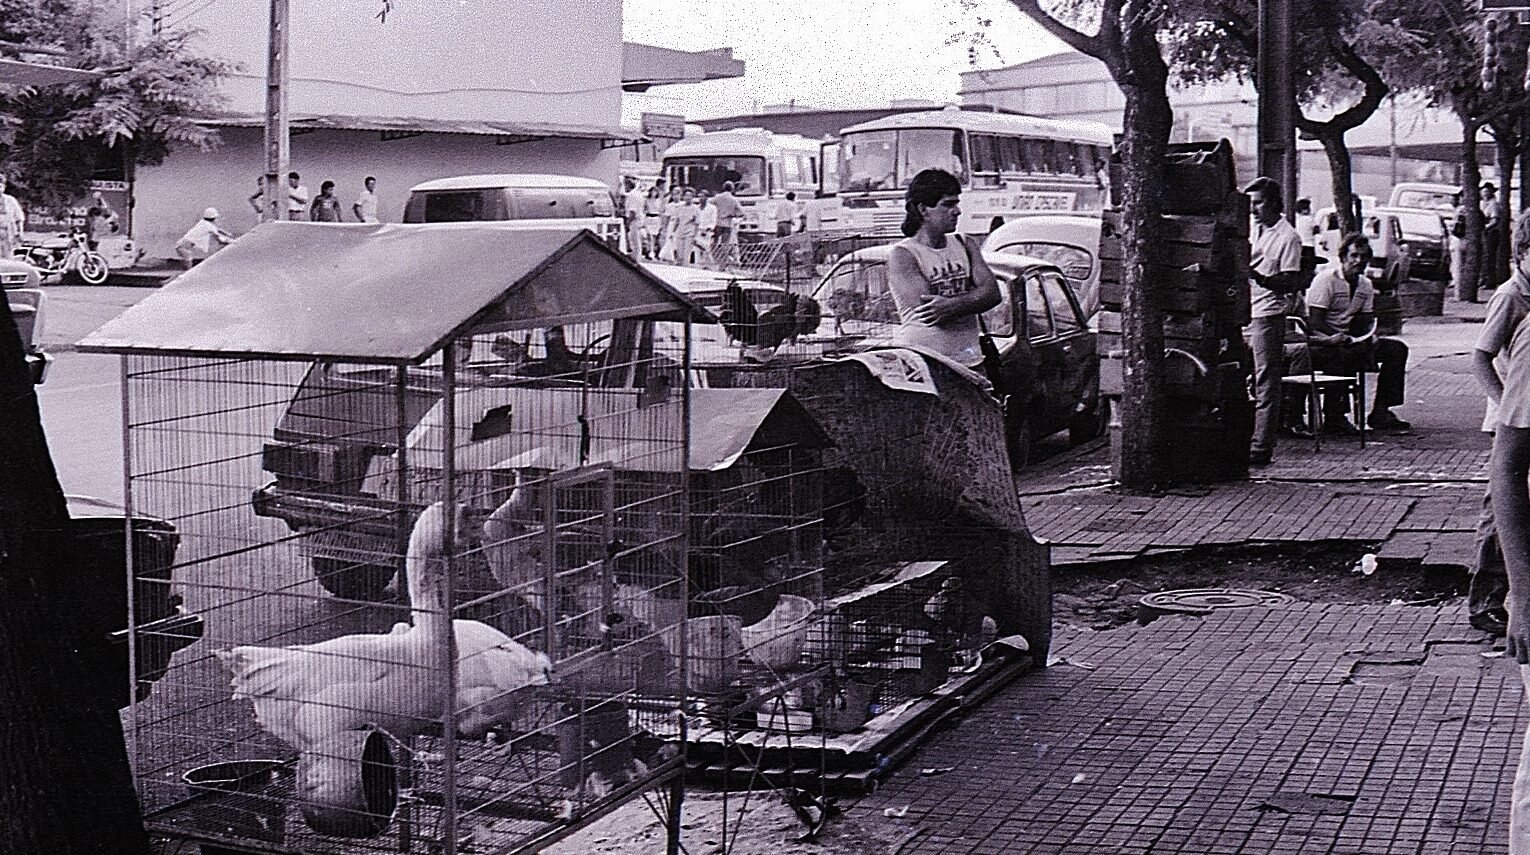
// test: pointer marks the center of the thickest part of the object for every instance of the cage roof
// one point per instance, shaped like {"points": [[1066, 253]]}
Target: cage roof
{"points": [[385, 293]]}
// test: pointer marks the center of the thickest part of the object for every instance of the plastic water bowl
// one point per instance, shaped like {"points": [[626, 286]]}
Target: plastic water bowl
{"points": [[776, 642], [234, 776]]}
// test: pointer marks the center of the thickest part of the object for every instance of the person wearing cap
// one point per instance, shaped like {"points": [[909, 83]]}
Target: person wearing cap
{"points": [[202, 239], [1275, 277]]}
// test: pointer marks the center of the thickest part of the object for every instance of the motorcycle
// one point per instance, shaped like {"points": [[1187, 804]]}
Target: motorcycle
{"points": [[64, 256]]}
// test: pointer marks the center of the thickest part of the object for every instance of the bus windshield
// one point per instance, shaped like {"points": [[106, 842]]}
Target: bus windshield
{"points": [[889, 160], [709, 173]]}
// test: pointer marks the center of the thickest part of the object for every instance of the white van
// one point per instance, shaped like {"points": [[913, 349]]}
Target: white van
{"points": [[542, 201]]}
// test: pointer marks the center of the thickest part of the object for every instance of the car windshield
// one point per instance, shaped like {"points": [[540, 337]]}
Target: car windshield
{"points": [[1422, 225], [889, 160], [1425, 199], [710, 173], [855, 294]]}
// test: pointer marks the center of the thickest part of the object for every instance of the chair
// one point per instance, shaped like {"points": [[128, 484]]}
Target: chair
{"points": [[1316, 384]]}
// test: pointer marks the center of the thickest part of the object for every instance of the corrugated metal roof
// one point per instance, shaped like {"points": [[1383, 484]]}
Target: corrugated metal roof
{"points": [[384, 293], [412, 124]]}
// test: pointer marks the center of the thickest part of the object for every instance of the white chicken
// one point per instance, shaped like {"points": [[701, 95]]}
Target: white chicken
{"points": [[512, 544], [306, 694]]}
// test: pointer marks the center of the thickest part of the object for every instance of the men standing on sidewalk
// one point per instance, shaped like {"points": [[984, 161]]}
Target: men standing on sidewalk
{"points": [[1274, 279], [1506, 309]]}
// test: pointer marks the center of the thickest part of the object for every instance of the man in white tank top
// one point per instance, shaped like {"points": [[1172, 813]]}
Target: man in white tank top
{"points": [[940, 286]]}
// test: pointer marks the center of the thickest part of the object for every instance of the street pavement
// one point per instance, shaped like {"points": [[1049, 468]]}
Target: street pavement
{"points": [[1306, 728], [1321, 728]]}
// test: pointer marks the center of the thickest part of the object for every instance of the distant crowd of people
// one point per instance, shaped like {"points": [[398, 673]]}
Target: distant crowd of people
{"points": [[323, 208], [686, 225]]}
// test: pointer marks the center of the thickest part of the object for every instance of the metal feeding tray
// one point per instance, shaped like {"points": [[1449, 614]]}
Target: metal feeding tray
{"points": [[1204, 601]]}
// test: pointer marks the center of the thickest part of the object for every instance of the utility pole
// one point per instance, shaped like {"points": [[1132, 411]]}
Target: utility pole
{"points": [[1277, 98], [278, 145]]}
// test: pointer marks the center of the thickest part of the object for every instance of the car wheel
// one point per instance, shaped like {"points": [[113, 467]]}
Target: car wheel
{"points": [[1019, 442], [351, 581], [1091, 423]]}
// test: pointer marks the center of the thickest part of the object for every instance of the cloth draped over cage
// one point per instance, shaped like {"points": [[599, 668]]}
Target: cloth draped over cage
{"points": [[523, 428]]}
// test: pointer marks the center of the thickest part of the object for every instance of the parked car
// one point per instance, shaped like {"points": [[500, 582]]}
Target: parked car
{"points": [[1390, 260], [533, 201], [27, 301], [1429, 197], [1426, 237], [1070, 241], [1050, 369]]}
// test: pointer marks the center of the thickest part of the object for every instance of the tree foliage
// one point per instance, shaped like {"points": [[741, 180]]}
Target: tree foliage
{"points": [[53, 138]]}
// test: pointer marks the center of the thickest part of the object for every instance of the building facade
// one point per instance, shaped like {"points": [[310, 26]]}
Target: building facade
{"points": [[436, 89]]}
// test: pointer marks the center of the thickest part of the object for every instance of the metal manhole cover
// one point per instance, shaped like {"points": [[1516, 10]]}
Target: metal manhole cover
{"points": [[1200, 601]]}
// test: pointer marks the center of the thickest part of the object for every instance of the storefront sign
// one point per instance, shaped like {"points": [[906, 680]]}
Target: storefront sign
{"points": [[663, 126]]}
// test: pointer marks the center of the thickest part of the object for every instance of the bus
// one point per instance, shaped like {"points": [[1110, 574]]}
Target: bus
{"points": [[763, 167], [1009, 166]]}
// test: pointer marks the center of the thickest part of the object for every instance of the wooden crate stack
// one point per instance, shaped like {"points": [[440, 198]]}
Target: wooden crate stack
{"points": [[1198, 269]]}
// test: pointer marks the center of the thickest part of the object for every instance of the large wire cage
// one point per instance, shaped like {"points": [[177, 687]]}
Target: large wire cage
{"points": [[444, 599]]}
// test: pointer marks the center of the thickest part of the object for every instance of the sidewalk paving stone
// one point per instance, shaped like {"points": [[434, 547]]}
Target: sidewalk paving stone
{"points": [[1309, 728]]}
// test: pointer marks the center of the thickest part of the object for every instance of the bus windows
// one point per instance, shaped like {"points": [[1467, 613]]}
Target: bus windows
{"points": [[867, 161], [1040, 157], [709, 173], [1011, 154], [985, 159], [920, 149]]}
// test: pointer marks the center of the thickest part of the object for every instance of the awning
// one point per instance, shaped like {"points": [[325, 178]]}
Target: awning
{"points": [[385, 293], [644, 66], [415, 125], [18, 73]]}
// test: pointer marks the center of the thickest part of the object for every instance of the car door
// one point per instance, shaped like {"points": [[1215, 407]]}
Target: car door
{"points": [[1063, 348]]}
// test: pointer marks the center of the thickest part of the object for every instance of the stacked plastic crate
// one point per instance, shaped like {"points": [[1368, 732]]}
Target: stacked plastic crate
{"points": [[1198, 270]]}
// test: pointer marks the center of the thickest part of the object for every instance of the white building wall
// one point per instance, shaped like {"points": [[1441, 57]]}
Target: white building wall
{"points": [[171, 198], [549, 60]]}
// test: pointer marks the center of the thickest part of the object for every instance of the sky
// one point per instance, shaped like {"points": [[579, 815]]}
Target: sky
{"points": [[828, 53]]}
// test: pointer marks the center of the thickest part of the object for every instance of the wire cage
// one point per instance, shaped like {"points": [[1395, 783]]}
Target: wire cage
{"points": [[441, 558], [921, 560]]}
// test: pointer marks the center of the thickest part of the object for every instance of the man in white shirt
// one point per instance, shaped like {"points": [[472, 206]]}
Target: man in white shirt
{"points": [[1274, 278], [297, 198], [1341, 309], [202, 239], [787, 215], [1507, 309], [365, 207], [1306, 226], [13, 221], [632, 216]]}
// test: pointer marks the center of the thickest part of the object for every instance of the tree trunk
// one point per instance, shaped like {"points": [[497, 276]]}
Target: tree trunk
{"points": [[1340, 167], [1506, 149], [1145, 452], [1471, 206], [67, 785]]}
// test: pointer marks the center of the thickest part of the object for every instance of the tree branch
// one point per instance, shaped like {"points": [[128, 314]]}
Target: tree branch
{"points": [[1357, 113], [1098, 46]]}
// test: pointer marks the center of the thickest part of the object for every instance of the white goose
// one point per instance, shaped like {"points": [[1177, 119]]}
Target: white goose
{"points": [[308, 693]]}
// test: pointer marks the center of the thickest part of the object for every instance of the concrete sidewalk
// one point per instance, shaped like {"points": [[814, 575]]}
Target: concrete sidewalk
{"points": [[1305, 728]]}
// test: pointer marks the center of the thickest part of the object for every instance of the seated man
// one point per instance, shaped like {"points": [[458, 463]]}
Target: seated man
{"points": [[1342, 322]]}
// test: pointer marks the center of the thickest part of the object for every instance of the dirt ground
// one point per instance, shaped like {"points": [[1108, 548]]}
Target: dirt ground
{"points": [[1107, 596]]}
